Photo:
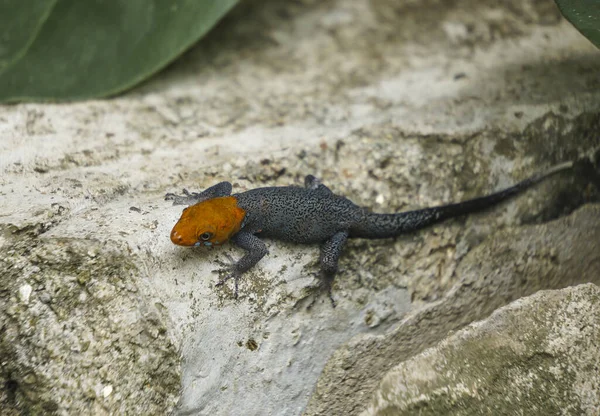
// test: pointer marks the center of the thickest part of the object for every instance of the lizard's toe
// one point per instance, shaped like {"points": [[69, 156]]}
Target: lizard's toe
{"points": [[224, 280], [177, 199], [230, 276]]}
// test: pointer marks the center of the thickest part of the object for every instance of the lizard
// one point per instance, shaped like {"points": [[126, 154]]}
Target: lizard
{"points": [[312, 214]]}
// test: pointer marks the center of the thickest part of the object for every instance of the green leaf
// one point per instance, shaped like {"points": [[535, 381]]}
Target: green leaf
{"points": [[584, 15], [20, 25], [94, 48]]}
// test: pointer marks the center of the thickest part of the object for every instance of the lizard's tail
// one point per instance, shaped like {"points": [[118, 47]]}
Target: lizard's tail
{"points": [[391, 225]]}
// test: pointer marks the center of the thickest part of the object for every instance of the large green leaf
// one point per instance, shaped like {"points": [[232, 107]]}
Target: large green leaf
{"points": [[93, 48], [584, 15], [20, 25]]}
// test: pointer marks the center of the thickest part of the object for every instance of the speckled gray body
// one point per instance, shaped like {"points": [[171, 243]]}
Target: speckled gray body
{"points": [[314, 214], [299, 215]]}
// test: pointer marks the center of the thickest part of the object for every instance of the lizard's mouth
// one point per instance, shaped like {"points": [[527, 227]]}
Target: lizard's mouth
{"points": [[181, 240]]}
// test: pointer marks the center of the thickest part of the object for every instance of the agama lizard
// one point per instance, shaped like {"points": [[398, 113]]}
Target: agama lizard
{"points": [[313, 214]]}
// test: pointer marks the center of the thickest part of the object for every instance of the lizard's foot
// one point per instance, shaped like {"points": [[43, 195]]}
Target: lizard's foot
{"points": [[187, 198], [235, 277], [228, 270], [325, 284]]}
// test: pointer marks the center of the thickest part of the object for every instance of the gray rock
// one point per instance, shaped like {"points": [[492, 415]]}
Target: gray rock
{"points": [[396, 105], [514, 263], [537, 356], [78, 334]]}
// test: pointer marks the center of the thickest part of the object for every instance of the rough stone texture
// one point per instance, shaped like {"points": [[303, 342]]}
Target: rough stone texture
{"points": [[397, 105], [514, 263], [537, 356], [77, 336]]}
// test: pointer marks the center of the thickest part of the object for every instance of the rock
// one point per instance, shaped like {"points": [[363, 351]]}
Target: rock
{"points": [[538, 355], [78, 341], [396, 105], [514, 263]]}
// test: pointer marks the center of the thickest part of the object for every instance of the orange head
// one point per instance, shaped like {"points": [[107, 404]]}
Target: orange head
{"points": [[208, 223]]}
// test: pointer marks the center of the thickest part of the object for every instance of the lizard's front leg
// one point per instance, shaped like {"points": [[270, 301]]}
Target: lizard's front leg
{"points": [[256, 250], [190, 198]]}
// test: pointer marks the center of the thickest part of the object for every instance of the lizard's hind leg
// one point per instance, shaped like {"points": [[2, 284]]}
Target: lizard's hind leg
{"points": [[314, 184], [330, 254]]}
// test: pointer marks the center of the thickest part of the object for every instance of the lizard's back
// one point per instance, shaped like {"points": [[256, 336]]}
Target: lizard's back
{"points": [[297, 214]]}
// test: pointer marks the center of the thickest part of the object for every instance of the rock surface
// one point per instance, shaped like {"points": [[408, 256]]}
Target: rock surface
{"points": [[396, 105], [539, 355], [78, 334], [514, 263]]}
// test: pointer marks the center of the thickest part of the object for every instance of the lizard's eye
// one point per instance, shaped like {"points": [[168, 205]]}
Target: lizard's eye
{"points": [[206, 236]]}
